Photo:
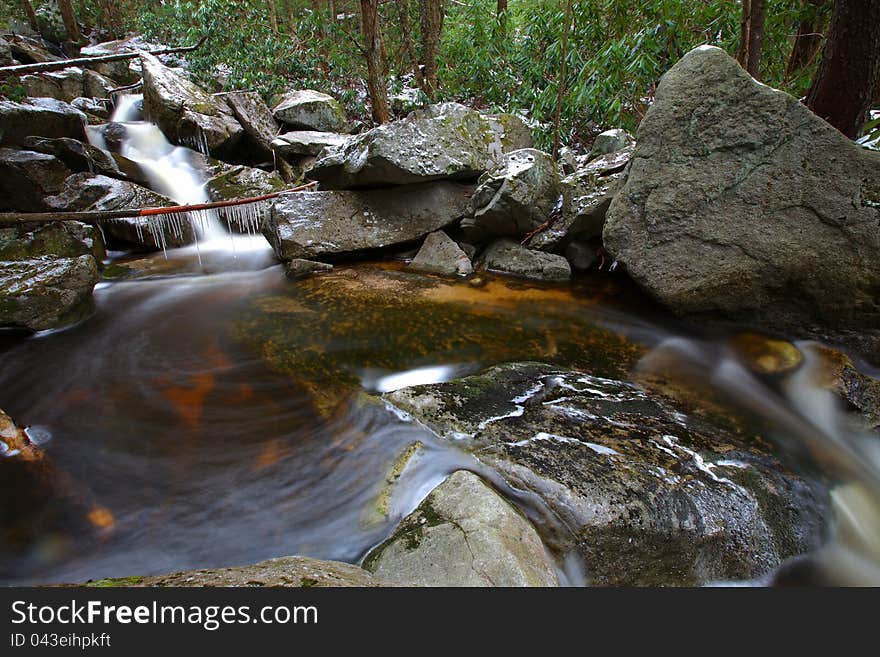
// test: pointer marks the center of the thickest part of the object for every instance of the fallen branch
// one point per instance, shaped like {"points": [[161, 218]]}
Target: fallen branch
{"points": [[128, 87], [97, 216], [46, 67]]}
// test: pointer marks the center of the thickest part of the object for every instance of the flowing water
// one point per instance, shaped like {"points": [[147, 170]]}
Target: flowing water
{"points": [[210, 413]]}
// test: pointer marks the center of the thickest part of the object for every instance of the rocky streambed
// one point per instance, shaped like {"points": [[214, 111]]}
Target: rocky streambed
{"points": [[541, 377]]}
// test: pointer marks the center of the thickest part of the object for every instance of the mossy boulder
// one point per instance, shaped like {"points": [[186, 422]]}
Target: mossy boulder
{"points": [[306, 109]]}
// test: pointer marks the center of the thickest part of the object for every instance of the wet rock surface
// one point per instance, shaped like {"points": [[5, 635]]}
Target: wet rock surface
{"points": [[320, 224], [27, 178], [440, 255], [463, 534], [736, 191], [447, 141], [652, 496], [283, 571], [507, 256], [255, 117], [42, 117], [306, 142]]}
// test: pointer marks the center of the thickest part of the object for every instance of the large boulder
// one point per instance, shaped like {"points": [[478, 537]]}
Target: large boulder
{"points": [[335, 223], [76, 155], [228, 181], [507, 256], [47, 275], [742, 204], [186, 114], [43, 117], [85, 191], [27, 178], [647, 493], [33, 50], [306, 109], [463, 534], [447, 141], [127, 71], [515, 197], [256, 118]]}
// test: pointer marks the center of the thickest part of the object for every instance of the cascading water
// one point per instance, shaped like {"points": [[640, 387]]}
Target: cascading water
{"points": [[178, 173]]}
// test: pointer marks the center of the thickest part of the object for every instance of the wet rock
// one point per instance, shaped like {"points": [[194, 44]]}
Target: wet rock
{"points": [[861, 391], [649, 494], [84, 191], [581, 255], [463, 534], [5, 53], [514, 198], [46, 292], [43, 117], [736, 191], [587, 195], [447, 141], [76, 155], [33, 50], [256, 118], [96, 85], [440, 255], [284, 571], [68, 239], [91, 107], [113, 134], [239, 181], [507, 256], [125, 71], [300, 268], [306, 142], [186, 114], [13, 440], [27, 178], [610, 141], [62, 85], [316, 224], [310, 110]]}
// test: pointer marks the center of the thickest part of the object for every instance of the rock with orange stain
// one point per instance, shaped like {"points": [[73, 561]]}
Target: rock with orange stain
{"points": [[15, 443], [860, 390]]}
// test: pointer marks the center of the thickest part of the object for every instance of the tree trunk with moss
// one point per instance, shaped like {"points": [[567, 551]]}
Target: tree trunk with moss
{"points": [[374, 52], [848, 79]]}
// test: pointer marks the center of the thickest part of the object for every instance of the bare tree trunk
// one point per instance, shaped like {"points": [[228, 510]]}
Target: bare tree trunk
{"points": [[403, 14], [751, 40], [273, 15], [29, 12], [562, 75], [431, 21], [848, 79], [807, 41], [69, 18], [375, 55]]}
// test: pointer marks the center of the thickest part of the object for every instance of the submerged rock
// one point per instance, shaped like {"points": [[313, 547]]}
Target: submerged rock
{"points": [[737, 194], [316, 224], [186, 114], [447, 141], [649, 494], [283, 571], [42, 117], [463, 534], [514, 198], [440, 255], [509, 257], [27, 178], [300, 268], [306, 109]]}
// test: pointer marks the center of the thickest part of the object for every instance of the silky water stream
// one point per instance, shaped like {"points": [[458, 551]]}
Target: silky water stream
{"points": [[212, 412]]}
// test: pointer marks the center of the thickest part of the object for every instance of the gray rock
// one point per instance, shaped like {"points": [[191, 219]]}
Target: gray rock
{"points": [[27, 178], [586, 197], [736, 194], [610, 141], [647, 494], [186, 114], [306, 142], [315, 224], [440, 255], [5, 53], [125, 71], [33, 50], [76, 155], [463, 534], [567, 160], [96, 85], [447, 141], [408, 100], [283, 571], [306, 109], [46, 292], [91, 106], [255, 117], [514, 198], [62, 239], [43, 117], [61, 85], [581, 256], [300, 268], [229, 181], [507, 256], [85, 191]]}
